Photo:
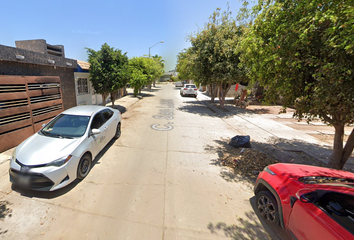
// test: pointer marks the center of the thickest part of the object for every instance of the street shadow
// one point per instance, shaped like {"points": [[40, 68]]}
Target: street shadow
{"points": [[147, 95], [197, 107], [261, 111], [227, 112], [230, 109], [142, 94], [155, 89], [120, 108], [57, 193], [245, 228], [276, 232], [5, 211]]}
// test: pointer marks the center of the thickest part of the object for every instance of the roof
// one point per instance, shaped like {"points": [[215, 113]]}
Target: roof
{"points": [[85, 110], [83, 65], [23, 56]]}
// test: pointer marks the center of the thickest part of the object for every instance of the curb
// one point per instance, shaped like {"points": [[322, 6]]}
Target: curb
{"points": [[281, 154]]}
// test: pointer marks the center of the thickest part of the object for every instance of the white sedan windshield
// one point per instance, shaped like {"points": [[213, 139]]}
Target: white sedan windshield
{"points": [[66, 126]]}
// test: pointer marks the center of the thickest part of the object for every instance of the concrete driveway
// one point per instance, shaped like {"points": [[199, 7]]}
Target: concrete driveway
{"points": [[157, 181]]}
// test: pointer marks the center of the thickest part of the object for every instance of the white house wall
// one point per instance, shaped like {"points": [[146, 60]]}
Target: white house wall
{"points": [[89, 98]]}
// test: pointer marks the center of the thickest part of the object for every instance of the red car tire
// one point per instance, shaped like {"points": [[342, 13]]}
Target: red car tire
{"points": [[267, 207]]}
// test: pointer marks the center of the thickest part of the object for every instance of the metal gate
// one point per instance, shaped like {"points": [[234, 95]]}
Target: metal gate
{"points": [[26, 102]]}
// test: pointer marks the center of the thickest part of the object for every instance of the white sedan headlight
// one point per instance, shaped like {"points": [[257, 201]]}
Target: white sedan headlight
{"points": [[59, 162]]}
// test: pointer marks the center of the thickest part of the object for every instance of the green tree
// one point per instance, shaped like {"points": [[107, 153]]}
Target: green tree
{"points": [[215, 54], [160, 66], [138, 77], [109, 70], [185, 65], [302, 51], [144, 71], [201, 55]]}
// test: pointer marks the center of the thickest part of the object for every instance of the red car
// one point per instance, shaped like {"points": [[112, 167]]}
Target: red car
{"points": [[310, 202]]}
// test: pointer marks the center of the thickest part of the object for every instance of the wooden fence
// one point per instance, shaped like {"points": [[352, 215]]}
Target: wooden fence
{"points": [[26, 102]]}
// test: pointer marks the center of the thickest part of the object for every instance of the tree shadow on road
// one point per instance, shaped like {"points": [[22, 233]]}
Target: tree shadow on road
{"points": [[276, 232], [120, 108], [5, 211], [230, 109], [245, 228], [197, 108], [154, 89], [205, 108], [57, 193]]}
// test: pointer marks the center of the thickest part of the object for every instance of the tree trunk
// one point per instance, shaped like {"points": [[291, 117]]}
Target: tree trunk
{"points": [[104, 97], [113, 97], [340, 157], [213, 91], [348, 148], [154, 83], [221, 97], [223, 89], [136, 90], [336, 157]]}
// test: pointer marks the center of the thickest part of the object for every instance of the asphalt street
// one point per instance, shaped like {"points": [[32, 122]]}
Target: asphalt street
{"points": [[157, 181]]}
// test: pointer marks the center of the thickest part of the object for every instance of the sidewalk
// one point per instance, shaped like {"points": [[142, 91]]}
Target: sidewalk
{"points": [[277, 139], [122, 104]]}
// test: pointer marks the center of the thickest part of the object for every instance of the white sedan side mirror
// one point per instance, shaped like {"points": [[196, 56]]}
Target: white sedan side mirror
{"points": [[95, 131]]}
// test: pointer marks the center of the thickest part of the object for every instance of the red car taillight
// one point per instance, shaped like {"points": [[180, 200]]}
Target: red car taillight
{"points": [[185, 89], [195, 89]]}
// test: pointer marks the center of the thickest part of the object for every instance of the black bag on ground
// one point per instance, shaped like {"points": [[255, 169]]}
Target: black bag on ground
{"points": [[240, 141]]}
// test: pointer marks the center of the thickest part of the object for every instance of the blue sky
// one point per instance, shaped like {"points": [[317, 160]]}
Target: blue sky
{"points": [[130, 25]]}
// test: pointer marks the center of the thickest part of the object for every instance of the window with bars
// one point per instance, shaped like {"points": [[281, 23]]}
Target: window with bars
{"points": [[82, 86]]}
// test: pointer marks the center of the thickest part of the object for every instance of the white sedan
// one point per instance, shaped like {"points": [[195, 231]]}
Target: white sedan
{"points": [[63, 149], [189, 89]]}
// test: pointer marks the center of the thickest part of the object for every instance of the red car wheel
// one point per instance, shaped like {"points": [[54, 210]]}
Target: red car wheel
{"points": [[267, 207]]}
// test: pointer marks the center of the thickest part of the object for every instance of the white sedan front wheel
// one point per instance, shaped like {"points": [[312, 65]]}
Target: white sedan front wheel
{"points": [[84, 166]]}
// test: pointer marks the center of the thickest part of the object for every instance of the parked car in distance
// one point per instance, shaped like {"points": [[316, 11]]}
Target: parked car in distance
{"points": [[178, 84], [310, 202], [63, 150], [189, 90]]}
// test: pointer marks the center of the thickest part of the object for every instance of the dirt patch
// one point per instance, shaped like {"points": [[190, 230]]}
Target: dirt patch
{"points": [[246, 161]]}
